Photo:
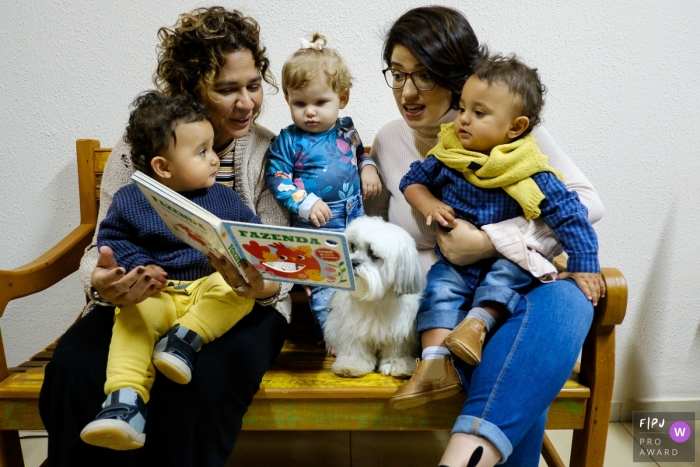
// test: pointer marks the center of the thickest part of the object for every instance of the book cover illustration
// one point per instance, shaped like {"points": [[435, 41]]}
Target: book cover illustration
{"points": [[318, 257], [312, 257]]}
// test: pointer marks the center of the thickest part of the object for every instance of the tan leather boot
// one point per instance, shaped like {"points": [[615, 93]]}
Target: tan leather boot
{"points": [[467, 340], [433, 379]]}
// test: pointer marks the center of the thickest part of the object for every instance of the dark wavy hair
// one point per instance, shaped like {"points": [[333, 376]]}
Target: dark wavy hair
{"points": [[151, 128], [442, 40], [522, 81], [192, 53]]}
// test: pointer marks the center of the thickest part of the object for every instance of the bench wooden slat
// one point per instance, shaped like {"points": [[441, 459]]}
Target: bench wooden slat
{"points": [[24, 385], [20, 414], [307, 409], [275, 385], [44, 355], [101, 156]]}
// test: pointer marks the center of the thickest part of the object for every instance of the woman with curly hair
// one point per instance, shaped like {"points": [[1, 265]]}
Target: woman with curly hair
{"points": [[215, 56]]}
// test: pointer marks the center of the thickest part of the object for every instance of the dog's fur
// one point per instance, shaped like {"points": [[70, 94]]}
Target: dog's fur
{"points": [[374, 326]]}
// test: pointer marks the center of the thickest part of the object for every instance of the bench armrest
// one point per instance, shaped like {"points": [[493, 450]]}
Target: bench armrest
{"points": [[611, 309], [46, 270]]}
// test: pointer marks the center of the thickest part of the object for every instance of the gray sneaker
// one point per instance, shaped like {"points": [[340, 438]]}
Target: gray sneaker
{"points": [[120, 423], [173, 355]]}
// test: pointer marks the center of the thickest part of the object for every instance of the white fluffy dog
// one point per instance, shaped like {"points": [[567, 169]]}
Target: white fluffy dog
{"points": [[374, 325]]}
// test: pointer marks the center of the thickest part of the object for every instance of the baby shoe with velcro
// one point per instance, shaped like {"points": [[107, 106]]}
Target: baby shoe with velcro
{"points": [[173, 355], [120, 423]]}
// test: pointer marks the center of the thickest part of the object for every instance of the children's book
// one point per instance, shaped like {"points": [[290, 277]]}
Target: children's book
{"points": [[287, 254]]}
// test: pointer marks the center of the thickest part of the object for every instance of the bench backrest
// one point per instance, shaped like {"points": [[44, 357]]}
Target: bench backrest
{"points": [[91, 163]]}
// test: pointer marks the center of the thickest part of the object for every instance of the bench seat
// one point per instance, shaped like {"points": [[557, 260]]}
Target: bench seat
{"points": [[300, 392]]}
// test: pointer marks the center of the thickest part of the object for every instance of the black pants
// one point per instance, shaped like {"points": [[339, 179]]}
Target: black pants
{"points": [[191, 425]]}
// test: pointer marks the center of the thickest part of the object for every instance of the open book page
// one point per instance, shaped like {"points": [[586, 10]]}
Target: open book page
{"points": [[313, 257], [188, 221], [319, 257]]}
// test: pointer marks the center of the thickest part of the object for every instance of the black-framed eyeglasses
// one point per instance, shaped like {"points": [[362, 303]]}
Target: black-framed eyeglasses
{"points": [[396, 79]]}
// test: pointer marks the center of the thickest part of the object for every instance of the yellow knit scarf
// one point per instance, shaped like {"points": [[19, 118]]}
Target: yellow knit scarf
{"points": [[509, 166]]}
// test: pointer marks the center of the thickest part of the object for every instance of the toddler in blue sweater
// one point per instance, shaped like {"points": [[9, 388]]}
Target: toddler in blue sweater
{"points": [[171, 140]]}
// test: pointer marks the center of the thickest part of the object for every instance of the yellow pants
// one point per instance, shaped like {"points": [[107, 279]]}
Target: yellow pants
{"points": [[207, 306]]}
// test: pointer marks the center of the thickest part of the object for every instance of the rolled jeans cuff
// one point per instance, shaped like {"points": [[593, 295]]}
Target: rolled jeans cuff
{"points": [[447, 319], [479, 427], [498, 294]]}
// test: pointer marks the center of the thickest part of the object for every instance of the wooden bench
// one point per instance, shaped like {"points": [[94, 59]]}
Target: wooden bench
{"points": [[299, 392]]}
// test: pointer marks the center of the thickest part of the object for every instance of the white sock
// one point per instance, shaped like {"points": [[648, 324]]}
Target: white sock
{"points": [[435, 352], [478, 312]]}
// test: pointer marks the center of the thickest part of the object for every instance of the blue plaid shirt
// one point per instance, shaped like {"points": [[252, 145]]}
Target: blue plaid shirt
{"points": [[561, 209]]}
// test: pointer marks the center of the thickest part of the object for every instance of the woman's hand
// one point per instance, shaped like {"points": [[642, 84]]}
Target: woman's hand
{"points": [[257, 288], [464, 244], [118, 288]]}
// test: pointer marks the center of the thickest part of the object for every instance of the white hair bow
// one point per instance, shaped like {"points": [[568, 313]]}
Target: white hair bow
{"points": [[318, 45]]}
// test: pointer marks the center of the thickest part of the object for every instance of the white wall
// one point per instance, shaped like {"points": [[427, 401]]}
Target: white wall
{"points": [[623, 101]]}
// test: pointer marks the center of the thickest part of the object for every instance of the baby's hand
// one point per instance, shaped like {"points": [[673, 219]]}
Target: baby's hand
{"points": [[438, 211], [371, 184], [320, 213], [591, 284]]}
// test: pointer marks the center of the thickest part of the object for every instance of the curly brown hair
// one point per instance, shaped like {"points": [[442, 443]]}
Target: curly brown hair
{"points": [[151, 128], [192, 53]]}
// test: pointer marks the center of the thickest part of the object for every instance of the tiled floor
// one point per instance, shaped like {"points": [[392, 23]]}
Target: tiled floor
{"points": [[370, 449], [33, 447]]}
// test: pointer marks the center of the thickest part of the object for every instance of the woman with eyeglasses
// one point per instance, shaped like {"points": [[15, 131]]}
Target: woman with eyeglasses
{"points": [[429, 53]]}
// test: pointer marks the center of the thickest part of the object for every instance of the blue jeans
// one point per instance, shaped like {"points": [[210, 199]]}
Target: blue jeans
{"points": [[342, 212], [504, 284], [525, 363], [446, 299]]}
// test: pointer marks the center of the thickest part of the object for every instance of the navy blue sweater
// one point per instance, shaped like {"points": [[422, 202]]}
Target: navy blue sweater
{"points": [[138, 236]]}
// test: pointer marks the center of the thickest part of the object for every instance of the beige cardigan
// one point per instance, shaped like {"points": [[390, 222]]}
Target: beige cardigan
{"points": [[249, 169]]}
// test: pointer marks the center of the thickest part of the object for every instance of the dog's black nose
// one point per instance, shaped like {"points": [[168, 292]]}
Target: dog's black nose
{"points": [[355, 264]]}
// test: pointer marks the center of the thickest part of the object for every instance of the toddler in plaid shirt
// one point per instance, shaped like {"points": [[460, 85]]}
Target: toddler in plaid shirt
{"points": [[486, 169]]}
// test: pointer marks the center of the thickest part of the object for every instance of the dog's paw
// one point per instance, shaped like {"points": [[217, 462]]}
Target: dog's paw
{"points": [[398, 367], [351, 368]]}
